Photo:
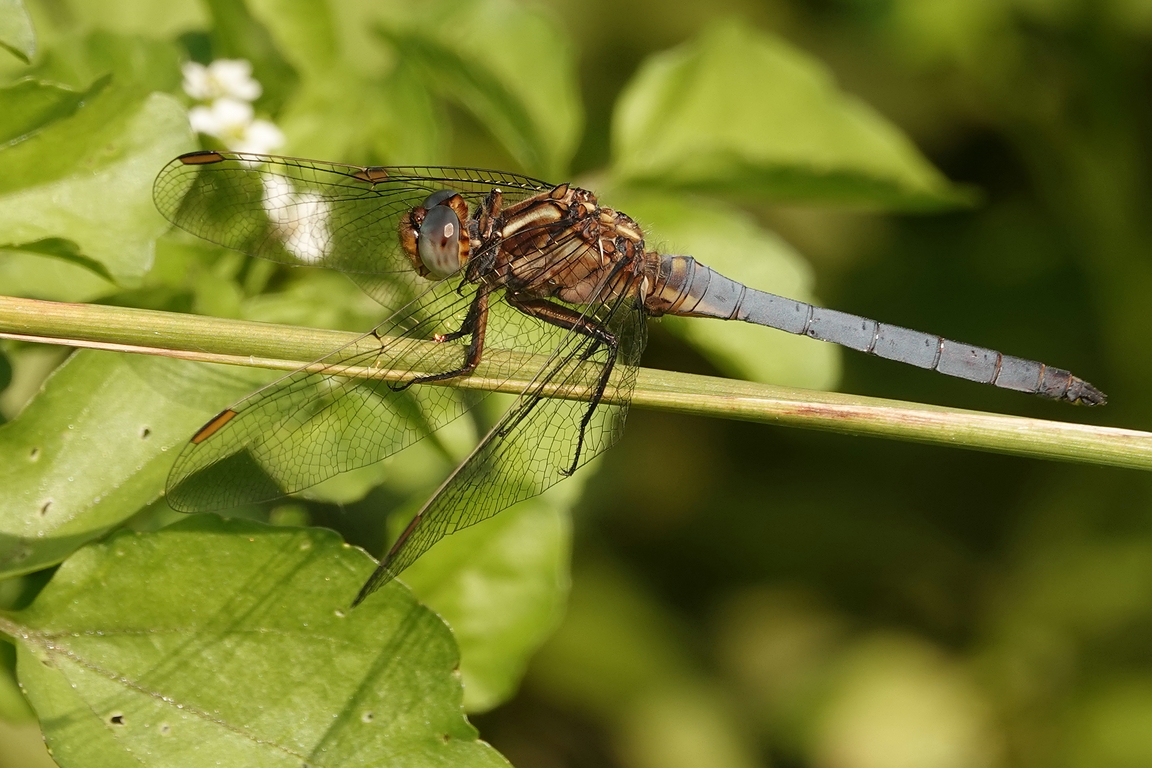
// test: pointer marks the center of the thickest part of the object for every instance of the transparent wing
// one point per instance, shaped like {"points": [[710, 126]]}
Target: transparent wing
{"points": [[327, 418], [315, 423], [306, 212], [539, 439]]}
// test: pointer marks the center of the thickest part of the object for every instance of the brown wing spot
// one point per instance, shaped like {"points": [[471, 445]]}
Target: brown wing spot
{"points": [[371, 174], [213, 426], [203, 157]]}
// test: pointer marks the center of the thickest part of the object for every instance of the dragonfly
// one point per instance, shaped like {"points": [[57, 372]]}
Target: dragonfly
{"points": [[489, 274]]}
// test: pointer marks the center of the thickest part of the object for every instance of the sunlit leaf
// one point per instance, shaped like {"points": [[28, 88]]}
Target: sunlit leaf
{"points": [[95, 446], [349, 117], [16, 32], [242, 651], [38, 276], [157, 21], [135, 62], [511, 66], [5, 371], [304, 33], [88, 179], [730, 242], [13, 706], [238, 34], [30, 105], [744, 113]]}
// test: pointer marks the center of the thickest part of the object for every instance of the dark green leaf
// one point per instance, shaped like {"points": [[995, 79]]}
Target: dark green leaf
{"points": [[16, 32], [95, 446], [241, 651], [743, 113]]}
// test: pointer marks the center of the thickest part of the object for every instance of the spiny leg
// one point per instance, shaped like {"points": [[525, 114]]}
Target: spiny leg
{"points": [[569, 319], [475, 325]]}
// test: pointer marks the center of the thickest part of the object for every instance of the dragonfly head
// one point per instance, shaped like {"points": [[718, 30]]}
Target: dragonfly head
{"points": [[431, 235]]}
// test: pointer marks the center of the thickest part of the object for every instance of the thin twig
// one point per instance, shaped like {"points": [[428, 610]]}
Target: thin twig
{"points": [[239, 342]]}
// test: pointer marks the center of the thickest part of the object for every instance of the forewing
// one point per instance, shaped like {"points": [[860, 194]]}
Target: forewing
{"points": [[329, 417], [307, 212], [535, 443]]}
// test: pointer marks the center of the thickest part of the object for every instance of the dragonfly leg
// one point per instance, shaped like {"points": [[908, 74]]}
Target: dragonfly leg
{"points": [[570, 319], [475, 324]]}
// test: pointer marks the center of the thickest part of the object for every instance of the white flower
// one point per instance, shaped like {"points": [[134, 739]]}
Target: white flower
{"points": [[223, 78], [299, 220], [261, 137], [225, 117], [232, 122]]}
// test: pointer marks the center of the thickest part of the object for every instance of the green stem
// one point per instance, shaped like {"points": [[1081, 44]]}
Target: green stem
{"points": [[239, 342]]}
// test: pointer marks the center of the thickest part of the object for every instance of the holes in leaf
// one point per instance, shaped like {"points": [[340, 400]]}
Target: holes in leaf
{"points": [[34, 454], [368, 717], [165, 729], [116, 718], [45, 507], [145, 433]]}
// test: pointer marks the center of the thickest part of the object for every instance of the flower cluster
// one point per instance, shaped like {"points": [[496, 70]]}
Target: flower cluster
{"points": [[229, 88]]}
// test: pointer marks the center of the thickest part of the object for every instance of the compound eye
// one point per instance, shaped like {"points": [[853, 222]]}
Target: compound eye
{"points": [[436, 198], [439, 241]]}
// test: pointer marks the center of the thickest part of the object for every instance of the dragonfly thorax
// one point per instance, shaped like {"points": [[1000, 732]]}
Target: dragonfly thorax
{"points": [[431, 235]]}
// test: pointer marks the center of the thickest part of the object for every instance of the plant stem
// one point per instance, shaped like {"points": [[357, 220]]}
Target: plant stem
{"points": [[239, 342]]}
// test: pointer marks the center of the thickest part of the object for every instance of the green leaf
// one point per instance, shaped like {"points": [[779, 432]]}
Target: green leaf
{"points": [[88, 179], [303, 32], [36, 275], [241, 651], [334, 117], [512, 67], [238, 34], [16, 32], [743, 113], [65, 250], [731, 242], [5, 371], [13, 706], [30, 105], [156, 21], [95, 446], [352, 103], [502, 586], [140, 64]]}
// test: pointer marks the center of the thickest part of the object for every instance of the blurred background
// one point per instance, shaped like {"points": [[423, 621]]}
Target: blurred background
{"points": [[853, 603], [743, 595]]}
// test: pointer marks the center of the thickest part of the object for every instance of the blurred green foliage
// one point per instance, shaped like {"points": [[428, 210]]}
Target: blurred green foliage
{"points": [[741, 596]]}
